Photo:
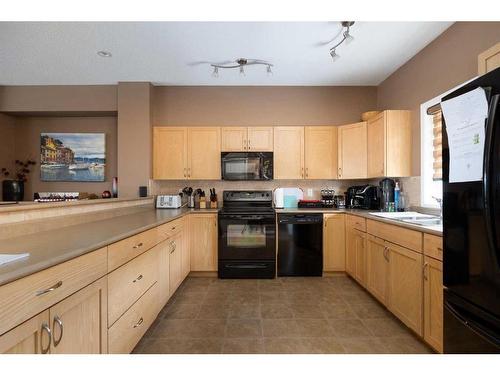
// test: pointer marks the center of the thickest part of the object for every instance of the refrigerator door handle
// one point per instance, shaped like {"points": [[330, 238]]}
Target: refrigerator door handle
{"points": [[487, 164], [476, 327]]}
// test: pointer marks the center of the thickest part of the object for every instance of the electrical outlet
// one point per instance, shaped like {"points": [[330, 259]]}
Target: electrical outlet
{"points": [[309, 192]]}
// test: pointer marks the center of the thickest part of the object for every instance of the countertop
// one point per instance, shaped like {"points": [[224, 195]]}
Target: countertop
{"points": [[52, 247], [434, 229]]}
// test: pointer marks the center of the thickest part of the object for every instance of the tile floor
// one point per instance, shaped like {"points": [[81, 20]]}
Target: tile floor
{"points": [[285, 315]]}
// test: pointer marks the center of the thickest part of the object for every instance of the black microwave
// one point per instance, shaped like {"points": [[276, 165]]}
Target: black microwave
{"points": [[247, 166]]}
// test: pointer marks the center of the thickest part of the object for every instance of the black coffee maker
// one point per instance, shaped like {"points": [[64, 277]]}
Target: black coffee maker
{"points": [[386, 186]]}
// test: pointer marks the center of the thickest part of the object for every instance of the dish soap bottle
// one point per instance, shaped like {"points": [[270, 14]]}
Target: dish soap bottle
{"points": [[396, 196]]}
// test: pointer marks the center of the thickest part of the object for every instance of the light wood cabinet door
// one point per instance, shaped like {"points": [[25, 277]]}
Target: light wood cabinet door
{"points": [[360, 244], [289, 152], [321, 152], [175, 265], [377, 255], [352, 148], [79, 322], [433, 303], [334, 251], [260, 138], [489, 60], [204, 153], [186, 254], [234, 138], [203, 242], [405, 286], [350, 252], [163, 272], [376, 146], [28, 337], [169, 153]]}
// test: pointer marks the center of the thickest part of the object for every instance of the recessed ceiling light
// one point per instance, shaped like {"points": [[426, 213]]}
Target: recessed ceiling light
{"points": [[104, 53]]}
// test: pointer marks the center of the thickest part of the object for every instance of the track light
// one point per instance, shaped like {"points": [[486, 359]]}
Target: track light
{"points": [[240, 64], [346, 37], [215, 73], [269, 71], [242, 70]]}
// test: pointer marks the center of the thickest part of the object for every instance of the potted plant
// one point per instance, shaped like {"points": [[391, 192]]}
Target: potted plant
{"points": [[13, 189]]}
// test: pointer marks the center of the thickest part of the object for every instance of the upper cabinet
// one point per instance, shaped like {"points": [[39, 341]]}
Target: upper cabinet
{"points": [[489, 59], [186, 153], [389, 144], [352, 151], [320, 152], [258, 138], [289, 152]]}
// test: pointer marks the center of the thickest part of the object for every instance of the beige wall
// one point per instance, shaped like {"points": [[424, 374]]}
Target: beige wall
{"points": [[7, 151], [98, 98], [248, 105], [27, 145], [134, 137], [445, 63]]}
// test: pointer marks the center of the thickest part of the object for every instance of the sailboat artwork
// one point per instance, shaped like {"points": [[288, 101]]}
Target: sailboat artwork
{"points": [[73, 157]]}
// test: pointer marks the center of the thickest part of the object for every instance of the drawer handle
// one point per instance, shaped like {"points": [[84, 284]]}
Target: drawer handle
{"points": [[140, 244], [138, 323], [138, 278], [46, 328], [59, 322], [173, 228], [52, 288], [440, 249]]}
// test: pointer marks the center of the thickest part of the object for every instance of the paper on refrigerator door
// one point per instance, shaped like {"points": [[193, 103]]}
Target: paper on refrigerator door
{"points": [[465, 118]]}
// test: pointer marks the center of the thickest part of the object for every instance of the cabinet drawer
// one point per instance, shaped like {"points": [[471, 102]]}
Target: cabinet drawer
{"points": [[26, 297], [433, 246], [402, 236], [129, 282], [124, 335], [121, 252], [356, 222], [169, 229]]}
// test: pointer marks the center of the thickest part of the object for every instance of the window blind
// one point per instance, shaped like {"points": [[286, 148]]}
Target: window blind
{"points": [[437, 149]]}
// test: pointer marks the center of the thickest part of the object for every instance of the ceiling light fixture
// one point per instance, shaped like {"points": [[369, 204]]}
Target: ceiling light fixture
{"points": [[240, 63], [346, 37], [104, 53]]}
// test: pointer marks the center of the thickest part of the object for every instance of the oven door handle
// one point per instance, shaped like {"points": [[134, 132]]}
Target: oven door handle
{"points": [[246, 266], [248, 217]]}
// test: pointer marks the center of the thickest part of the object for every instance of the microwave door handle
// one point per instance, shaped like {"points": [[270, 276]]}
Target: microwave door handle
{"points": [[489, 193]]}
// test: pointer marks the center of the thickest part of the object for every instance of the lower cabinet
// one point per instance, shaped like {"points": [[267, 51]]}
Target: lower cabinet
{"points": [[334, 249], [163, 272], [405, 286], [203, 241], [175, 263], [356, 254], [377, 256], [76, 325], [433, 303]]}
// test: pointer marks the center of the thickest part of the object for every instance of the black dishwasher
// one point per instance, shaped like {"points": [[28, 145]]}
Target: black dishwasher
{"points": [[300, 244]]}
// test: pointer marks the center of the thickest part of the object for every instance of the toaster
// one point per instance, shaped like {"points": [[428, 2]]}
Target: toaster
{"points": [[168, 201]]}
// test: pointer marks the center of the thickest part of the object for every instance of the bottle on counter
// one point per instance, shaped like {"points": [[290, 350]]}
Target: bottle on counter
{"points": [[397, 191]]}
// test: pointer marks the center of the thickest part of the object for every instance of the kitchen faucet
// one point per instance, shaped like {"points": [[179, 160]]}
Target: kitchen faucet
{"points": [[440, 202]]}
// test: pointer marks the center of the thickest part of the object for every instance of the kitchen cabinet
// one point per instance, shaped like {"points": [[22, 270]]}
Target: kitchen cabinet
{"points": [[204, 153], [352, 151], [164, 272], [75, 325], [433, 303], [170, 158], [389, 144], [186, 153], [489, 60], [175, 264], [289, 152], [203, 241], [334, 249], [405, 286], [356, 255], [377, 255], [79, 322], [320, 152], [183, 241], [250, 139], [30, 337]]}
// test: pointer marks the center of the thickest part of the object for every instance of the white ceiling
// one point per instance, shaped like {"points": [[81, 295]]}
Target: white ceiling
{"points": [[167, 53]]}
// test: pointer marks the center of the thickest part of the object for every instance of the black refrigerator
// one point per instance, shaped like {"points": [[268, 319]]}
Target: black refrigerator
{"points": [[471, 236]]}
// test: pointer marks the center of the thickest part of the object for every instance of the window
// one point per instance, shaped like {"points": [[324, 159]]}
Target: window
{"points": [[431, 163]]}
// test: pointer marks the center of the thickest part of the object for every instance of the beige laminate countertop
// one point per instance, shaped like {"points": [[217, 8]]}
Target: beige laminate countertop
{"points": [[52, 247], [435, 229]]}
